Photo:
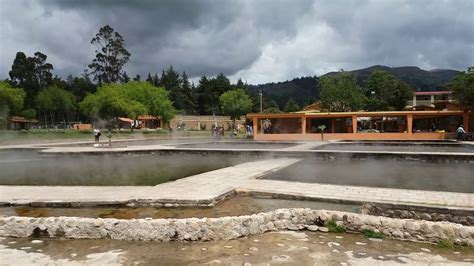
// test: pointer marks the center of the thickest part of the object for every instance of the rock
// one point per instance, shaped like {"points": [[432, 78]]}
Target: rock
{"points": [[361, 253], [343, 263], [246, 254], [313, 228], [203, 249], [456, 252], [376, 239], [403, 259], [335, 251], [380, 257], [323, 229], [339, 237], [247, 264], [280, 245], [253, 248], [360, 243], [397, 233], [281, 258], [36, 241], [335, 244], [256, 240], [73, 254], [228, 247], [292, 227], [426, 250]]}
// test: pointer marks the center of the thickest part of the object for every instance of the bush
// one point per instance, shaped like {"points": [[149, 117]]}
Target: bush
{"points": [[334, 228], [372, 234], [446, 243], [203, 126]]}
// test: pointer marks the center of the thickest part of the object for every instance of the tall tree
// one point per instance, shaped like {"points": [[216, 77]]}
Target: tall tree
{"points": [[11, 99], [291, 106], [110, 56], [385, 93], [131, 99], [209, 91], [235, 103], [341, 93], [31, 74], [463, 87], [56, 102]]}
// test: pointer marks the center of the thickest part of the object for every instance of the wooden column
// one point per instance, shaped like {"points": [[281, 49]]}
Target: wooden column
{"points": [[354, 123], [255, 126], [303, 125], [465, 121], [410, 124]]}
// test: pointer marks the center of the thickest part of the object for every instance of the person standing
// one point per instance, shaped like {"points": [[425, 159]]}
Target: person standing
{"points": [[460, 133], [97, 134]]}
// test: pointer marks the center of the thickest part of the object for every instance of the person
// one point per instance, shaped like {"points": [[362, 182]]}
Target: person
{"points": [[460, 133], [97, 134]]}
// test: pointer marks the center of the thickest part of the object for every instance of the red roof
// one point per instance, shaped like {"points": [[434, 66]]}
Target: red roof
{"points": [[431, 92]]}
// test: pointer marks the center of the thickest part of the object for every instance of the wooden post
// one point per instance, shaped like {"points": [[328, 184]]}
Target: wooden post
{"points": [[465, 121], [303, 124], [255, 126], [354, 124], [410, 124]]}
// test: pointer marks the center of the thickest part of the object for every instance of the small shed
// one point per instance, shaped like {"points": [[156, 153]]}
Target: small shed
{"points": [[21, 123]]}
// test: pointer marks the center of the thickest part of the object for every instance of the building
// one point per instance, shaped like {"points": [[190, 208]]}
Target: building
{"points": [[387, 125], [21, 123], [423, 100]]}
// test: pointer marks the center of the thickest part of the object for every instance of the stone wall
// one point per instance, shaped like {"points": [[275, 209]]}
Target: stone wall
{"points": [[194, 229], [460, 216]]}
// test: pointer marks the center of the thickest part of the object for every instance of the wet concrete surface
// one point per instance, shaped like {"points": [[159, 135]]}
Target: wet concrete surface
{"points": [[282, 248], [399, 147], [237, 145], [418, 175], [234, 206]]}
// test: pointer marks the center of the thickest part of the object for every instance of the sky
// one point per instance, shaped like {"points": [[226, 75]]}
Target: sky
{"points": [[257, 40]]}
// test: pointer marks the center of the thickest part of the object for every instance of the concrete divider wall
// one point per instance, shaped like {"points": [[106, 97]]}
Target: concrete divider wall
{"points": [[194, 229]]}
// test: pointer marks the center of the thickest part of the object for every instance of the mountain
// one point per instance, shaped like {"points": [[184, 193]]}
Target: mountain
{"points": [[418, 79], [305, 89]]}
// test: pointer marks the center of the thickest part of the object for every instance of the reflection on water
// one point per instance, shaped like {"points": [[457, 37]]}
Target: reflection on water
{"points": [[239, 205], [29, 168], [451, 177]]}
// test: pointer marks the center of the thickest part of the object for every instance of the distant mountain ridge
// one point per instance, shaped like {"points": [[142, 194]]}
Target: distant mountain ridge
{"points": [[305, 89]]}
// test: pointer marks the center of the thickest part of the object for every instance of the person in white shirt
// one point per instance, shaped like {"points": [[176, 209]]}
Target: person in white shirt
{"points": [[460, 132]]}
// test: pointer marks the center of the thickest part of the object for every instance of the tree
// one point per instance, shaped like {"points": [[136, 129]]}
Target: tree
{"points": [[463, 87], [340, 93], [31, 74], [291, 106], [235, 103], [385, 93], [110, 56], [130, 99], [208, 92], [55, 102], [11, 99]]}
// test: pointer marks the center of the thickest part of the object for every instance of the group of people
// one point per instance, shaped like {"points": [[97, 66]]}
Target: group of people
{"points": [[217, 132]]}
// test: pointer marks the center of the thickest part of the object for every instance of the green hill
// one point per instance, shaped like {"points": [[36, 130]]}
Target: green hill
{"points": [[305, 89]]}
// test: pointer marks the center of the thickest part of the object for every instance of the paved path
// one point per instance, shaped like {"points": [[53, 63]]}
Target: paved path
{"points": [[204, 188], [360, 194]]}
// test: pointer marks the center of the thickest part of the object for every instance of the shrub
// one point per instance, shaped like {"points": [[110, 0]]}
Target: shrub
{"points": [[334, 228], [446, 243], [372, 234]]}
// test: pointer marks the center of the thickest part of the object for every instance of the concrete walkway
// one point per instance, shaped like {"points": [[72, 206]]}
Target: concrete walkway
{"points": [[207, 188], [360, 194], [202, 189]]}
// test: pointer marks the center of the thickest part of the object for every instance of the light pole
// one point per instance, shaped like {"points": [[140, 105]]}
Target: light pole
{"points": [[261, 102]]}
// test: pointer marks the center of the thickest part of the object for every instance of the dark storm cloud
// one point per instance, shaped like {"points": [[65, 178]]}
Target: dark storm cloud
{"points": [[257, 40]]}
